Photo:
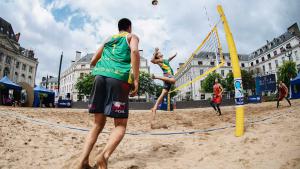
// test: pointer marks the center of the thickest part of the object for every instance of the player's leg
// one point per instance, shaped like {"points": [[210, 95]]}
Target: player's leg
{"points": [[165, 79], [288, 100], [91, 139], [116, 107], [213, 105], [219, 110], [158, 101], [115, 138], [96, 107]]}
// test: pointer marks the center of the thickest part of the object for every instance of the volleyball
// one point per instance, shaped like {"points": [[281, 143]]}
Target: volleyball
{"points": [[154, 2]]}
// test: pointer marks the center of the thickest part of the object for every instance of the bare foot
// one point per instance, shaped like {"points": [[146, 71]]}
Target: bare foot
{"points": [[101, 162], [84, 165]]}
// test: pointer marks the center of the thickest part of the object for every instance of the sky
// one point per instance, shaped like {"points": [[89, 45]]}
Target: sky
{"points": [[51, 27]]}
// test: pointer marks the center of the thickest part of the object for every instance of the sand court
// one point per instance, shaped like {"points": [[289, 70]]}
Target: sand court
{"points": [[190, 138]]}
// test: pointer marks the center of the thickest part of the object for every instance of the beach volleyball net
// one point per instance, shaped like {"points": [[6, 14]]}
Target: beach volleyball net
{"points": [[211, 46]]}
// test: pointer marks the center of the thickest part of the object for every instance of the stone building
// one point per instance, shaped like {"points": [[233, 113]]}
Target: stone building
{"points": [[17, 63], [50, 83], [262, 62]]}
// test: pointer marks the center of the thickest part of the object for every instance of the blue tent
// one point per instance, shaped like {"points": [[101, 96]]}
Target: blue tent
{"points": [[9, 84], [37, 91], [295, 85]]}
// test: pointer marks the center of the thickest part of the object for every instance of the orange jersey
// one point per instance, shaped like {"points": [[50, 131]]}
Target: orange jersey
{"points": [[217, 93]]}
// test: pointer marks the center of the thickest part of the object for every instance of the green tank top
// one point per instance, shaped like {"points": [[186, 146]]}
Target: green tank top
{"points": [[115, 61], [166, 68]]}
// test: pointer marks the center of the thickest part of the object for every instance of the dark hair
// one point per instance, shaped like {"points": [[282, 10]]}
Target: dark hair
{"points": [[124, 24]]}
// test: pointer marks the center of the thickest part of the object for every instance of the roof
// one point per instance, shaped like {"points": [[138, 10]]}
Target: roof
{"points": [[292, 31], [242, 57], [6, 29], [86, 58]]}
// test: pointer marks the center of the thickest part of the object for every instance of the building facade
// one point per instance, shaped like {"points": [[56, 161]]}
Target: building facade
{"points": [[50, 83], [262, 62], [79, 68], [17, 63], [267, 59], [201, 62]]}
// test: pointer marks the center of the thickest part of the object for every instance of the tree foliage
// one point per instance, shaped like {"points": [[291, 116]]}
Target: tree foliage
{"points": [[287, 71], [247, 78], [208, 82], [84, 84]]}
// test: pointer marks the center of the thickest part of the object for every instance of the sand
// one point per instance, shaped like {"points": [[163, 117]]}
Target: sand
{"points": [[39, 138]]}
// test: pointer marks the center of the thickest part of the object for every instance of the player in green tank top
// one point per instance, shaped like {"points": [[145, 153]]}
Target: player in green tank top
{"points": [[168, 79], [114, 60]]}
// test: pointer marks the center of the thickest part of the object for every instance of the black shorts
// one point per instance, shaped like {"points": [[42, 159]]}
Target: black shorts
{"points": [[109, 96], [167, 85]]}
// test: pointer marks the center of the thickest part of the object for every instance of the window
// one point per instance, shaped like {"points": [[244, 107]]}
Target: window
{"points": [[270, 66], [269, 56], [275, 53], [17, 65], [24, 67], [81, 75], [212, 63], [230, 71], [23, 75], [30, 69], [257, 61], [200, 63], [8, 60], [276, 63], [252, 64], [288, 46], [282, 49], [82, 66], [201, 71], [263, 59], [6, 71], [264, 68], [243, 64], [1, 57], [222, 73], [228, 64]]}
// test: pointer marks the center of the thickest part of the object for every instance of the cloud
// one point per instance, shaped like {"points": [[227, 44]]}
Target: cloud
{"points": [[173, 25]]}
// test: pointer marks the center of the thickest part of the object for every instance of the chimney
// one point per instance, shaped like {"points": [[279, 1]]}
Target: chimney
{"points": [[18, 36], [78, 55]]}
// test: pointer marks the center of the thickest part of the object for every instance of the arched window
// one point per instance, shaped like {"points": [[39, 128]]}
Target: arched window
{"points": [[6, 71]]}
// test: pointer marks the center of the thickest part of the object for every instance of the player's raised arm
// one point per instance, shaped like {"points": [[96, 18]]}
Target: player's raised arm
{"points": [[172, 57]]}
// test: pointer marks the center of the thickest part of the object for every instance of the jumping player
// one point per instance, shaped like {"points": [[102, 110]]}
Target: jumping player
{"points": [[217, 98], [109, 96], [282, 93], [168, 78]]}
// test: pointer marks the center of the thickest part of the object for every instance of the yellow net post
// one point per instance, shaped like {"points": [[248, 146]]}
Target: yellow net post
{"points": [[239, 96], [169, 102]]}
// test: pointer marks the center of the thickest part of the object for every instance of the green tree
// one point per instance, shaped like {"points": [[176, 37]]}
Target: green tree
{"points": [[287, 71], [247, 78], [146, 84], [84, 84], [208, 82]]}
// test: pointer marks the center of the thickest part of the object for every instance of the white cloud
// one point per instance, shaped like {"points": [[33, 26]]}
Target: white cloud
{"points": [[173, 25]]}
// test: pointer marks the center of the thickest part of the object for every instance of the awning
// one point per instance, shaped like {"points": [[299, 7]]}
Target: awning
{"points": [[9, 84]]}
